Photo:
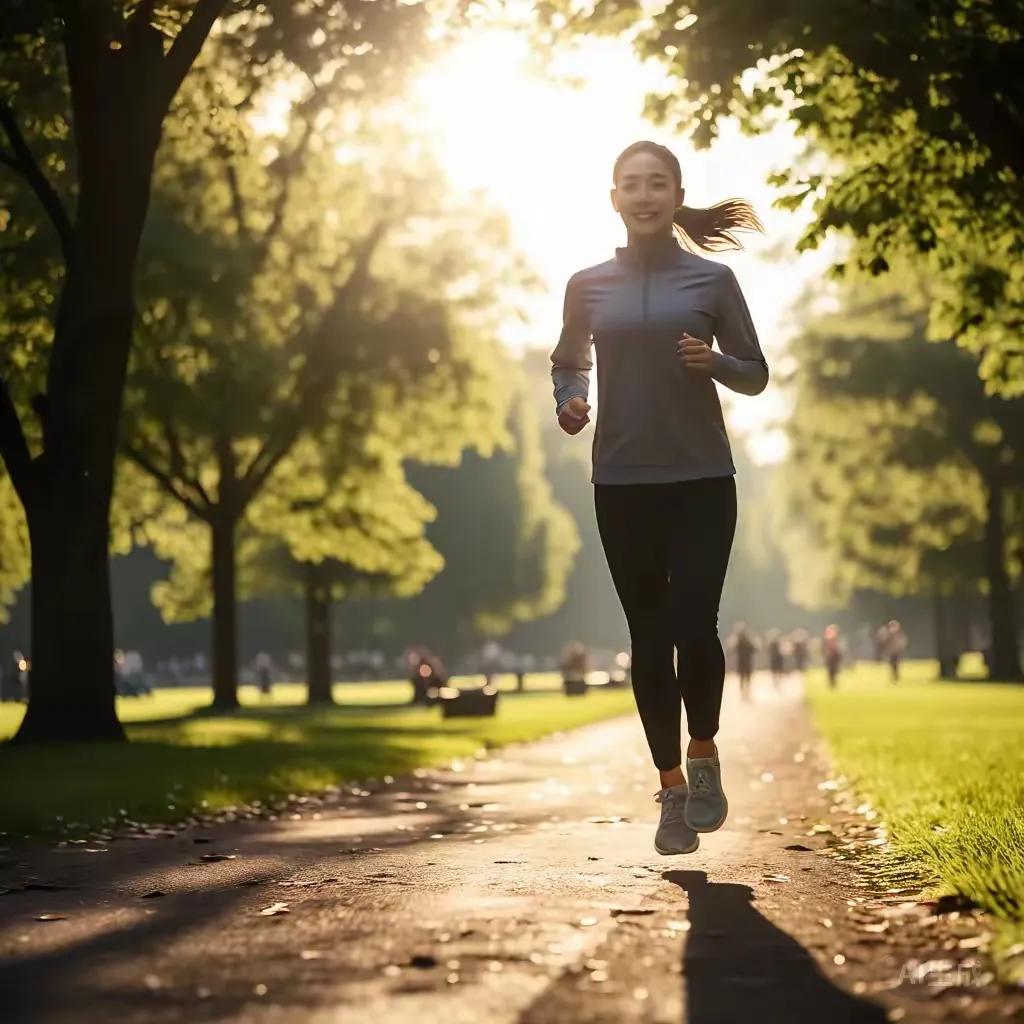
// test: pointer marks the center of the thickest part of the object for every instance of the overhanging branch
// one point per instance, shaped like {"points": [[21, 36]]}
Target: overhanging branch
{"points": [[177, 457], [13, 446], [145, 463], [21, 159], [313, 386], [189, 42]]}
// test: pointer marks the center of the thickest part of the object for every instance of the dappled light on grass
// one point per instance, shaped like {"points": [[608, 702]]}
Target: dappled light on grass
{"points": [[204, 763], [943, 763]]}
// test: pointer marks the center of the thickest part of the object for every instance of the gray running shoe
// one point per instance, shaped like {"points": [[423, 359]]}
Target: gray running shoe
{"points": [[674, 835], [707, 806]]}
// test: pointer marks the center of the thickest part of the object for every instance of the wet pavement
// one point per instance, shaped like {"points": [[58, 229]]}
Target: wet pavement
{"points": [[520, 887]]}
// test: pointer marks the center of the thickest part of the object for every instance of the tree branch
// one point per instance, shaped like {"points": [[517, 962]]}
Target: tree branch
{"points": [[284, 431], [237, 203], [22, 160], [177, 458], [14, 448], [145, 463], [189, 42]]}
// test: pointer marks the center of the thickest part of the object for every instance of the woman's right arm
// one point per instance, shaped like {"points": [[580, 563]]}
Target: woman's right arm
{"points": [[570, 361]]}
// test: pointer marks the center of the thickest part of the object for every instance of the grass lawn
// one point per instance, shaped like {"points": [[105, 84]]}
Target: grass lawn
{"points": [[181, 760], [943, 763]]}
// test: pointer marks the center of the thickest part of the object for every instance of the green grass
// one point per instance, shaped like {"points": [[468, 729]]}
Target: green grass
{"points": [[181, 760], [943, 763]]}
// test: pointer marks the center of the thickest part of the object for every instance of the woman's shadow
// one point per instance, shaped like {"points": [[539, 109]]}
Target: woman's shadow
{"points": [[739, 967]]}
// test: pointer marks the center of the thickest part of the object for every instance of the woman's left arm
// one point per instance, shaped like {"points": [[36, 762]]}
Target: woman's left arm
{"points": [[739, 364]]}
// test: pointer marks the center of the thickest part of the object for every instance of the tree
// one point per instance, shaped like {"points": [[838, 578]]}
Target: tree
{"points": [[914, 114], [508, 544], [902, 467], [343, 527], [85, 87], [122, 73], [302, 296]]}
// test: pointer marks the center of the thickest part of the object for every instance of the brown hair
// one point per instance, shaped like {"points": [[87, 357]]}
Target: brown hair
{"points": [[709, 228]]}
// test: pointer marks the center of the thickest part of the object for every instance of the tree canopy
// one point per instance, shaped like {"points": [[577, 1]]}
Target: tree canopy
{"points": [[913, 113], [904, 475]]}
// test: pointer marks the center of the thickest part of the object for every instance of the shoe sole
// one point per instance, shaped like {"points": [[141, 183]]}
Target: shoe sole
{"points": [[703, 829], [672, 853]]}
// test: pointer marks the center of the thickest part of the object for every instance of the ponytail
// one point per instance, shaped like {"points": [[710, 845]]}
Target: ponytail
{"points": [[711, 228]]}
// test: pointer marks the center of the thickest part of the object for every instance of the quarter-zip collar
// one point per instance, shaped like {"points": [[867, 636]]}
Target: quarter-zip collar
{"points": [[662, 252]]}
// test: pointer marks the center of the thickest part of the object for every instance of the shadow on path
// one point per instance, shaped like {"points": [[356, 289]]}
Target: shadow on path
{"points": [[739, 967]]}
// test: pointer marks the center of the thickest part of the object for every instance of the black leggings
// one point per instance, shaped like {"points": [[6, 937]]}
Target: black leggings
{"points": [[668, 547]]}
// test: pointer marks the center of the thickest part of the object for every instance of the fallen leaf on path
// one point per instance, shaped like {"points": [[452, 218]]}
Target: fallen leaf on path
{"points": [[155, 894], [799, 847], [586, 922], [51, 917], [776, 878], [274, 909], [613, 820], [621, 911], [211, 858]]}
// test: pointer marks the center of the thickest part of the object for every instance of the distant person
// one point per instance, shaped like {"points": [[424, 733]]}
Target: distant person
{"points": [[832, 653], [743, 646], [574, 662], [264, 667], [799, 643], [774, 641], [663, 472], [426, 674], [895, 647]]}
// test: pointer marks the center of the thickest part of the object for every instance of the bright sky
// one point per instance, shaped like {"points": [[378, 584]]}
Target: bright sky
{"points": [[542, 151]]}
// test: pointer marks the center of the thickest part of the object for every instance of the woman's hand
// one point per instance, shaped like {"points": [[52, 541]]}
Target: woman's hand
{"points": [[695, 354], [575, 415]]}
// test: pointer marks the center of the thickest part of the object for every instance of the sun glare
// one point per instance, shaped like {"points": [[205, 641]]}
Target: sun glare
{"points": [[541, 150]]}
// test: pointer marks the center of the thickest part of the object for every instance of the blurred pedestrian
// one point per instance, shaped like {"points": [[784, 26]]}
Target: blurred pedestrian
{"points": [[264, 668], [743, 646], [426, 674], [574, 663], [799, 642], [776, 656], [832, 653], [894, 648]]}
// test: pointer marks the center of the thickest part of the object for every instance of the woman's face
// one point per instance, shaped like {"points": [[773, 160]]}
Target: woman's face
{"points": [[645, 195]]}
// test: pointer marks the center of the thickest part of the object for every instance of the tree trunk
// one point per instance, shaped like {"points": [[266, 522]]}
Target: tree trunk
{"points": [[947, 646], [119, 98], [71, 683], [1004, 662], [67, 506], [318, 635], [225, 614]]}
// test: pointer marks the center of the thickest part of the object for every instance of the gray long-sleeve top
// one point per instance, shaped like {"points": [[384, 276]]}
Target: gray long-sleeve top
{"points": [[657, 420]]}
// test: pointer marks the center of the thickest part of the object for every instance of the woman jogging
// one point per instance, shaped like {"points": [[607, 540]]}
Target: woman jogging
{"points": [[664, 491]]}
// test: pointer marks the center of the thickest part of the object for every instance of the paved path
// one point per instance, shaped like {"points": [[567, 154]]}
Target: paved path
{"points": [[519, 889]]}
